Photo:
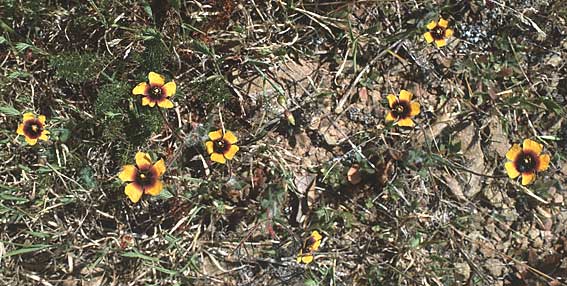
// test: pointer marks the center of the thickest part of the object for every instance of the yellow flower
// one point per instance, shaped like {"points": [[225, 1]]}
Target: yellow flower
{"points": [[526, 161], [33, 128], [221, 147], [156, 92], [438, 32], [310, 245], [142, 178], [402, 109]]}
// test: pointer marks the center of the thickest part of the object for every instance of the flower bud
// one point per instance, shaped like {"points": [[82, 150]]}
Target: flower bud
{"points": [[289, 117]]}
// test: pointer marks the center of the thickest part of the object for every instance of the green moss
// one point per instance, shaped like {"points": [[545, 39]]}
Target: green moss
{"points": [[143, 124], [110, 109], [155, 56], [213, 90], [77, 68]]}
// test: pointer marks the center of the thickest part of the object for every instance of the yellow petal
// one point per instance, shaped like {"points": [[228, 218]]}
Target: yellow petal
{"points": [[143, 160], [165, 103], [532, 146], [31, 141], [229, 136], [231, 152], [128, 173], [20, 129], [155, 189], [405, 95], [528, 178], [156, 79], [390, 116], [28, 116], [443, 23], [440, 43], [44, 136], [160, 167], [219, 158], [141, 89], [169, 88], [428, 37], [448, 33], [134, 192], [511, 170], [305, 258], [41, 119], [146, 101], [210, 148], [406, 122], [431, 25], [316, 245], [414, 108], [215, 135], [513, 153], [391, 100], [543, 162], [316, 235]]}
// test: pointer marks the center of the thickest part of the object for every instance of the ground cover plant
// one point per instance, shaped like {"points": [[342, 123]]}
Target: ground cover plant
{"points": [[220, 142]]}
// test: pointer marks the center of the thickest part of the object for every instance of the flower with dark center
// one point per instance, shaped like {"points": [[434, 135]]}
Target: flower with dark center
{"points": [[142, 178], [526, 161], [310, 245], [438, 33], [33, 128], [402, 109], [222, 146], [156, 91]]}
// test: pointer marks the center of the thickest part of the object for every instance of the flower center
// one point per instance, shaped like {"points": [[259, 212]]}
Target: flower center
{"points": [[145, 177], [401, 109], [33, 128], [526, 162], [438, 33], [309, 244], [221, 146], [155, 92]]}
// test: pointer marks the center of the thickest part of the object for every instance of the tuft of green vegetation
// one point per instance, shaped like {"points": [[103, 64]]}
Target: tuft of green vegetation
{"points": [[77, 68]]}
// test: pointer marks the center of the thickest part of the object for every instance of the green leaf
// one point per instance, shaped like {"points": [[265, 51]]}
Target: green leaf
{"points": [[416, 241], [148, 10], [28, 249], [22, 47], [18, 74], [137, 254], [165, 194], [63, 134], [9, 110], [87, 177], [165, 270], [310, 282], [39, 234], [202, 47], [9, 197]]}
